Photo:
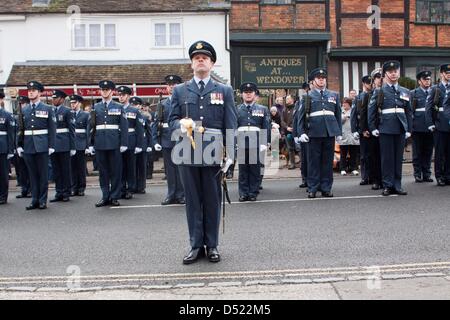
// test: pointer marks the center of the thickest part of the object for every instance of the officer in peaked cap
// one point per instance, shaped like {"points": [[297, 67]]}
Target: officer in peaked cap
{"points": [[78, 161], [390, 119], [23, 178], [252, 138], [141, 158], [204, 110], [319, 124], [204, 48], [24, 100], [64, 147], [163, 142], [422, 138], [135, 142], [108, 139], [7, 133], [36, 143], [360, 127], [437, 115]]}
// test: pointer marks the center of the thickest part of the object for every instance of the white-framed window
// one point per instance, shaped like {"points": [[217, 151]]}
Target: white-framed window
{"points": [[94, 36], [167, 34]]}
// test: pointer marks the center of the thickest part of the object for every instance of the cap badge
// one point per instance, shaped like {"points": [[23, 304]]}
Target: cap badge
{"points": [[199, 46]]}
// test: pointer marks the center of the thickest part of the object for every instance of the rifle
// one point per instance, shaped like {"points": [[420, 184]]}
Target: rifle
{"points": [[380, 100], [160, 113], [20, 127], [414, 101], [307, 112], [435, 109], [93, 123]]}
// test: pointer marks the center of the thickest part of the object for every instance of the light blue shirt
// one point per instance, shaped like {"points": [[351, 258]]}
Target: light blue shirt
{"points": [[197, 80]]}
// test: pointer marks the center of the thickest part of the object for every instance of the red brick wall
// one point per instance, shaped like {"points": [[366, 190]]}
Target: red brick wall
{"points": [[392, 6], [244, 16], [333, 75], [277, 17], [310, 16], [355, 6], [392, 33], [444, 36], [355, 33], [421, 36]]}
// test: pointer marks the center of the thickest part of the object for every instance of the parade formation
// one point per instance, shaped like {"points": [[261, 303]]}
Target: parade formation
{"points": [[201, 131]]}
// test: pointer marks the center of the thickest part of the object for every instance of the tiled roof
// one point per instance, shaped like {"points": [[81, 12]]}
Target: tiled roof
{"points": [[92, 74], [113, 6]]}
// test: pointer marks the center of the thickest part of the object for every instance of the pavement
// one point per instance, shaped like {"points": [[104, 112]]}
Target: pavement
{"points": [[358, 245]]}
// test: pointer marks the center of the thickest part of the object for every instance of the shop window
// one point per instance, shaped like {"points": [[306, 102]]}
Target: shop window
{"points": [[433, 11], [94, 36]]}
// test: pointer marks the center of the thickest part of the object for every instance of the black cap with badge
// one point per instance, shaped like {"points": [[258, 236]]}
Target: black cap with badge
{"points": [[424, 75], [59, 94], [107, 84], [35, 85], [366, 79], [204, 48], [76, 98], [391, 65], [249, 87], [124, 90], [173, 79], [318, 73], [136, 101]]}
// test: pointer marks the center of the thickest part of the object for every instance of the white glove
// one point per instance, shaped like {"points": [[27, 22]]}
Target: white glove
{"points": [[275, 125], [91, 151], [73, 152], [137, 150], [376, 133], [185, 124], [123, 149], [158, 147], [407, 135], [297, 140], [432, 128], [262, 148], [149, 149], [9, 156], [304, 138], [227, 165], [356, 135], [339, 138], [20, 151], [51, 151]]}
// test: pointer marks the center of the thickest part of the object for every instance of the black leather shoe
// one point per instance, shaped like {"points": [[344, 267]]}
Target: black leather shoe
{"points": [[376, 186], [418, 179], [42, 206], [194, 255], [81, 193], [327, 194], [447, 182], [181, 201], [387, 192], [141, 192], [58, 199], [168, 201], [261, 188], [364, 182], [440, 182], [74, 193], [32, 206], [303, 185], [213, 255], [23, 196], [128, 196], [311, 195], [252, 198], [428, 179], [65, 199], [243, 198], [401, 192], [115, 203], [102, 203]]}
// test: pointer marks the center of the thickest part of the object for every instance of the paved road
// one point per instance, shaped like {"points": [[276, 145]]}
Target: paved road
{"points": [[284, 231]]}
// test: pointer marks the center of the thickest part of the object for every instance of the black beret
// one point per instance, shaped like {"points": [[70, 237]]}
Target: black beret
{"points": [[76, 98], [423, 74], [23, 99], [124, 90], [317, 72], [136, 100], [59, 94], [35, 85], [202, 47], [172, 78], [249, 86], [366, 79], [445, 68], [391, 64], [107, 84]]}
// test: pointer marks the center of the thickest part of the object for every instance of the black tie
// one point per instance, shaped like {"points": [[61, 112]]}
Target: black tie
{"points": [[33, 106], [202, 85]]}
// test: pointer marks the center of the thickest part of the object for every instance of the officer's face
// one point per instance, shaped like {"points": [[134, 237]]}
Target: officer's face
{"points": [[106, 93], [425, 82], [248, 96], [202, 64], [446, 76], [376, 82], [170, 87], [393, 74], [75, 105], [320, 82], [57, 101], [123, 98], [33, 94]]}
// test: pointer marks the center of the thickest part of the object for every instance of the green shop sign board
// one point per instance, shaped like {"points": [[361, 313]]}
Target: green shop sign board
{"points": [[274, 71]]}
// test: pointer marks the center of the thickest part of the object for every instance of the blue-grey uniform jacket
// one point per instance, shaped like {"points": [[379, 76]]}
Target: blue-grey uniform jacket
{"points": [[81, 130], [111, 131], [324, 119], [7, 132], [65, 129], [443, 113], [419, 122], [163, 120], [135, 127], [40, 128], [396, 113], [252, 119]]}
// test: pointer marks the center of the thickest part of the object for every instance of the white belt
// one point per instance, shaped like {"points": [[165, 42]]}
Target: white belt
{"points": [[321, 113], [165, 125], [3, 133], [80, 130], [131, 130], [63, 130], [210, 130], [441, 109], [248, 128], [107, 127], [393, 110], [35, 132], [421, 109]]}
